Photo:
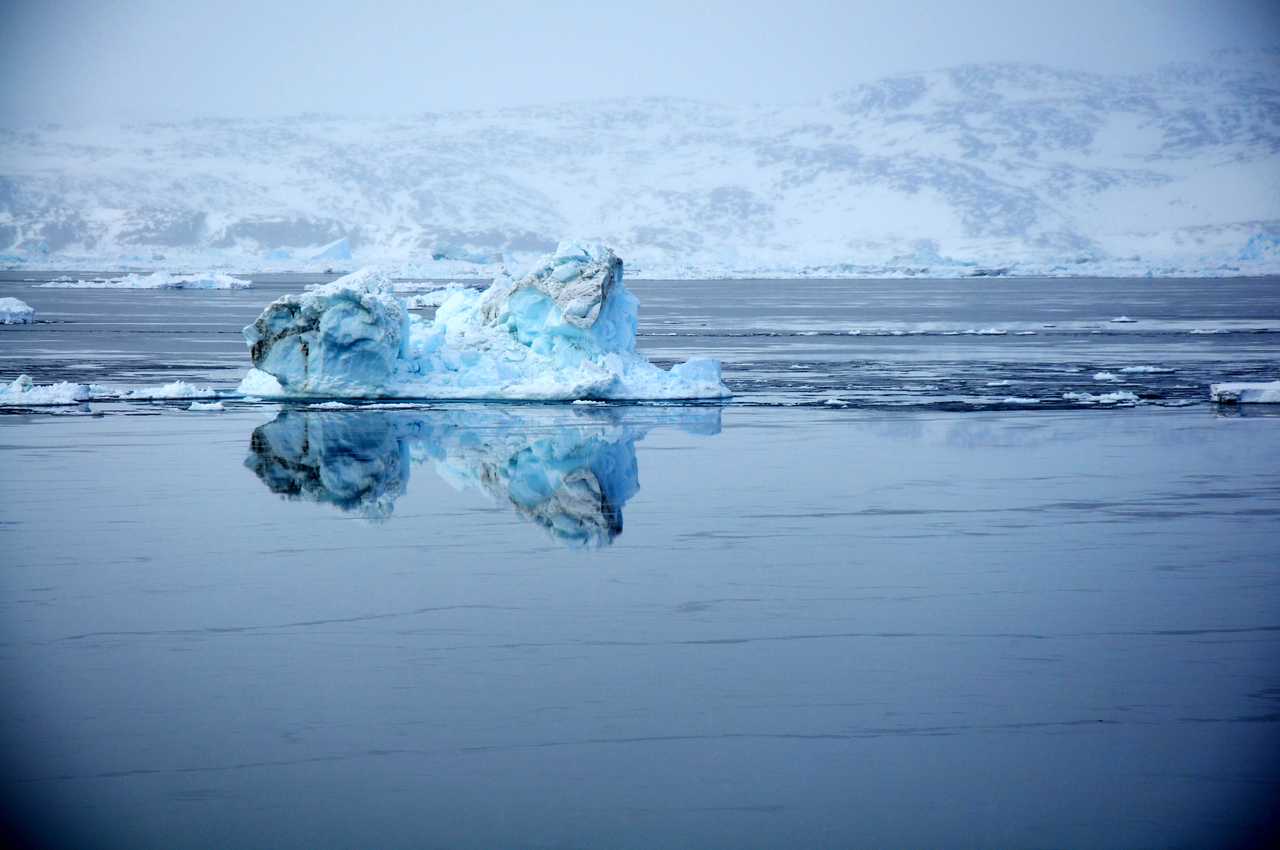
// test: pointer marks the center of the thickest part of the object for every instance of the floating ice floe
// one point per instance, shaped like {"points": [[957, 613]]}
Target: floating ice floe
{"points": [[1123, 320], [1120, 397], [1106, 376], [176, 390], [23, 392], [155, 280], [564, 331], [1242, 393], [206, 407], [16, 312]]}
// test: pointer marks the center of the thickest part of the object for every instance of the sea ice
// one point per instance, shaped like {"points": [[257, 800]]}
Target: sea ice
{"points": [[173, 390], [434, 298], [1123, 397], [207, 406], [15, 312], [24, 393], [1240, 393], [156, 280], [564, 331]]}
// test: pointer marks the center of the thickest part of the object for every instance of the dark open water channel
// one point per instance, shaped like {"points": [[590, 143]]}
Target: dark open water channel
{"points": [[907, 617]]}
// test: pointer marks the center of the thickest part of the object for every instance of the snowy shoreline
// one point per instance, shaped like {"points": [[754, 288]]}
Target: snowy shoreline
{"points": [[402, 271]]}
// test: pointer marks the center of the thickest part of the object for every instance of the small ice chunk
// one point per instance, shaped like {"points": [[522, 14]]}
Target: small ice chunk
{"points": [[258, 385], [16, 312], [207, 406], [1123, 320], [1120, 397], [23, 392], [434, 298], [1106, 376], [173, 390], [1143, 370], [1245, 393]]}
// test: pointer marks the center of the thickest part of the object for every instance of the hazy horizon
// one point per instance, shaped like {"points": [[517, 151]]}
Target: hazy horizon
{"points": [[78, 62]]}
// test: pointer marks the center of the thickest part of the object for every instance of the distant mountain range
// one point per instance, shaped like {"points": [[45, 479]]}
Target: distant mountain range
{"points": [[976, 169]]}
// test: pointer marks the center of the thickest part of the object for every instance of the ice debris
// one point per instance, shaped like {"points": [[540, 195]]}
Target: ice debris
{"points": [[173, 390], [16, 312], [564, 331], [206, 407], [1241, 393], [23, 392], [1121, 397], [155, 280]]}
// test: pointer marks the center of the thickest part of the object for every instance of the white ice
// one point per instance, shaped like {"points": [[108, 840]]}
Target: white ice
{"points": [[1123, 397], [155, 280], [15, 312], [25, 393], [207, 406], [339, 249], [1242, 393], [173, 390], [564, 331]]}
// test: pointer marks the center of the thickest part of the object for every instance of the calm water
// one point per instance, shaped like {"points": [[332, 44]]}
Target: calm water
{"points": [[914, 617]]}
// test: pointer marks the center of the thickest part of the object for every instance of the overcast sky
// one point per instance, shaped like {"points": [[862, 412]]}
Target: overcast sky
{"points": [[99, 60]]}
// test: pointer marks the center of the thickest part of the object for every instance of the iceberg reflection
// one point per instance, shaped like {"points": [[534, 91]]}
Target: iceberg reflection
{"points": [[570, 471]]}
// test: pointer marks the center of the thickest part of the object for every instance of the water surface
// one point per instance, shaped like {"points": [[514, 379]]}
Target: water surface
{"points": [[903, 622]]}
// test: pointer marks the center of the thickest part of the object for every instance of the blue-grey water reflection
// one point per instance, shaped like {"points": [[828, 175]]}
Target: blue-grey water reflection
{"points": [[569, 475]]}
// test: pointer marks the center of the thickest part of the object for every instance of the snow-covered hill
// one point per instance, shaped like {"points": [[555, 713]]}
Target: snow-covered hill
{"points": [[971, 169]]}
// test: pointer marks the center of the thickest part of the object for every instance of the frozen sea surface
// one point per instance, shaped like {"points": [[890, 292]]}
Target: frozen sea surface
{"points": [[750, 625]]}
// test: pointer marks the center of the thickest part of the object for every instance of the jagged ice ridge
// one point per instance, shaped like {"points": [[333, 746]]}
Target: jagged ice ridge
{"points": [[564, 331]]}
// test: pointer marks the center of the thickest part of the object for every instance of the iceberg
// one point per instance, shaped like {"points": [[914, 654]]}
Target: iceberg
{"points": [[564, 331], [570, 475], [1242, 393], [16, 312], [338, 249]]}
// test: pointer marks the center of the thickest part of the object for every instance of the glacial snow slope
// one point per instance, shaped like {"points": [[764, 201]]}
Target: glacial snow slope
{"points": [[978, 168]]}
